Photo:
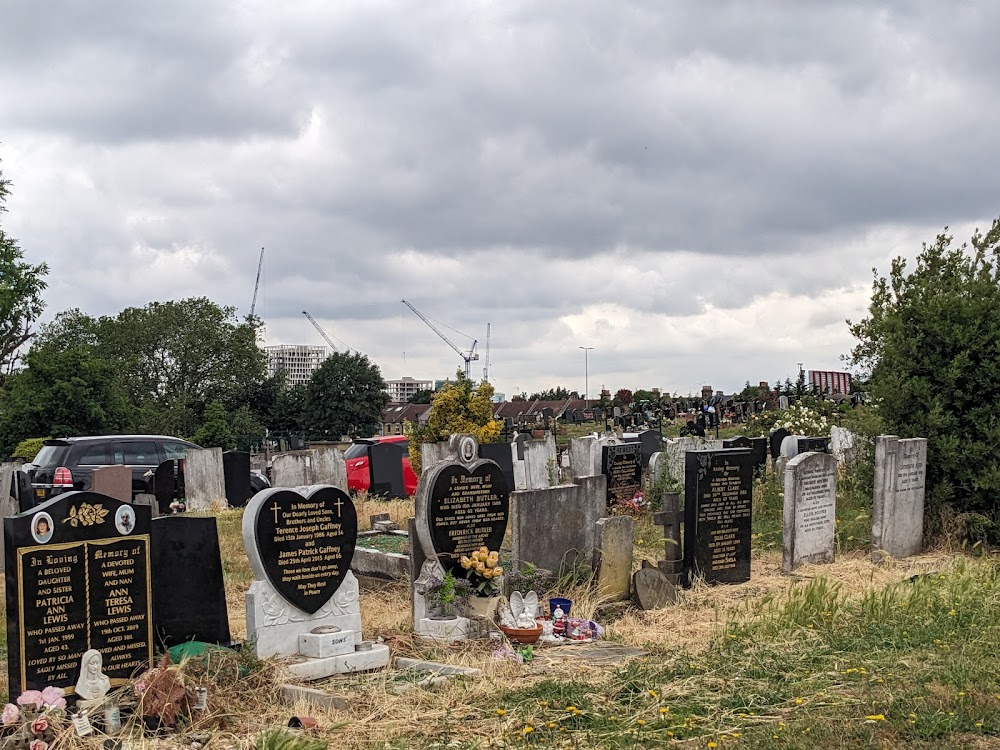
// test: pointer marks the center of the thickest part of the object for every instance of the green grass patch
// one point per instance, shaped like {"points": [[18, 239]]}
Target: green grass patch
{"points": [[911, 665]]}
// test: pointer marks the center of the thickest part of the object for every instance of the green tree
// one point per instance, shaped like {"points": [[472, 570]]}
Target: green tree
{"points": [[554, 394], [66, 393], [171, 358], [931, 348], [215, 432], [345, 396], [21, 287], [458, 408], [422, 396]]}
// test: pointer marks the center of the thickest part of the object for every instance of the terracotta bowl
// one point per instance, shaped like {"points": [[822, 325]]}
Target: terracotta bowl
{"points": [[522, 635]]}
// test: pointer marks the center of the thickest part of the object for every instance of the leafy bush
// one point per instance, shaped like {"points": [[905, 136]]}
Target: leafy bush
{"points": [[931, 343], [28, 449]]}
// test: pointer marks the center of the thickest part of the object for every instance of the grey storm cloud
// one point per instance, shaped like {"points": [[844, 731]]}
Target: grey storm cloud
{"points": [[691, 166]]}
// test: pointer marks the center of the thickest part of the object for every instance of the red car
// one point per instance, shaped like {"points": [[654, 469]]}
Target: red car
{"points": [[358, 472]]}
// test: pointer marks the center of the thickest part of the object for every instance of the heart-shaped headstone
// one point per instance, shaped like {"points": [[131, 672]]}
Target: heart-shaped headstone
{"points": [[303, 544], [468, 509]]}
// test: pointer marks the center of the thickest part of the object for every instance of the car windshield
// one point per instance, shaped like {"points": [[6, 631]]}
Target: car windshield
{"points": [[358, 450], [51, 455]]}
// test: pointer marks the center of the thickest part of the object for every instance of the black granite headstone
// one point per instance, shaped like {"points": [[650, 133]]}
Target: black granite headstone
{"points": [[718, 489], [236, 472], [306, 544], [759, 448], [775, 439], [501, 454], [189, 593], [165, 485], [737, 442], [651, 443], [468, 510], [78, 577], [622, 465], [815, 444], [385, 470]]}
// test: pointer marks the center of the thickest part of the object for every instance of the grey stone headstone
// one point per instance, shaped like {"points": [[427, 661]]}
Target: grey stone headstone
{"points": [[810, 510], [204, 479], [613, 557], [898, 507], [113, 481], [327, 466], [653, 589], [290, 470], [585, 456], [541, 469], [556, 528], [8, 506]]}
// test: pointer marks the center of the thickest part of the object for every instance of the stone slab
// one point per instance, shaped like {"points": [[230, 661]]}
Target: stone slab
{"points": [[113, 481], [556, 529], [436, 667], [325, 645], [328, 467], [204, 479], [810, 510], [898, 506], [540, 467], [360, 661], [653, 589], [613, 557], [585, 456], [292, 694]]}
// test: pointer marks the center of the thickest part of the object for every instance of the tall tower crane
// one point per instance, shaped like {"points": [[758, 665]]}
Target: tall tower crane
{"points": [[467, 358], [322, 333], [486, 363], [256, 286]]}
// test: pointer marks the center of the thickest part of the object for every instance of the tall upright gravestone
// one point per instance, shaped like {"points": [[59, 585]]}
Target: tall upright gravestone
{"points": [[78, 578], [622, 465], [304, 602], [810, 510], [462, 505], [718, 489], [898, 507]]}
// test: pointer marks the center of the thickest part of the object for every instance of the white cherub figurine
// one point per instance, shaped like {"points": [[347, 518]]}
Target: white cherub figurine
{"points": [[93, 684], [524, 609]]}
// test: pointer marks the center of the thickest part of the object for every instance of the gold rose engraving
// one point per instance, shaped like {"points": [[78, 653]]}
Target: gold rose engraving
{"points": [[87, 515]]}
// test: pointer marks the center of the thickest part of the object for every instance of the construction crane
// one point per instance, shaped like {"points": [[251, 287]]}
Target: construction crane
{"points": [[256, 286], [467, 358], [322, 333], [486, 364]]}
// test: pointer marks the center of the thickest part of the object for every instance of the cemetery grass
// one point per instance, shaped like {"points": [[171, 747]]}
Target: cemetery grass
{"points": [[845, 655]]}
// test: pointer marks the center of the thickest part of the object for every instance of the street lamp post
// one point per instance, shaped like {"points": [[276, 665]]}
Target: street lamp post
{"points": [[586, 372]]}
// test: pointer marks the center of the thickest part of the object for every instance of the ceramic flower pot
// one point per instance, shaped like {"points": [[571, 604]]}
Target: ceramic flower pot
{"points": [[482, 606]]}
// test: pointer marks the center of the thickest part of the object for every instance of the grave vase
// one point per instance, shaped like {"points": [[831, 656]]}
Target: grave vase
{"points": [[482, 606]]}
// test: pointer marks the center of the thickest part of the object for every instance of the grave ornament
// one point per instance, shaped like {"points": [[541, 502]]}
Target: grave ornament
{"points": [[93, 684]]}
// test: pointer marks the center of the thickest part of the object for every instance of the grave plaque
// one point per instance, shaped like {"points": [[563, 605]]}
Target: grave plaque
{"points": [[717, 504], [898, 504], [304, 545], [78, 578], [810, 510], [468, 510], [814, 445], [236, 477], [775, 441], [622, 465]]}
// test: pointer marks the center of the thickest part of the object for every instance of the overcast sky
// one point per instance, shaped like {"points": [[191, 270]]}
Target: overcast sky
{"points": [[698, 191]]}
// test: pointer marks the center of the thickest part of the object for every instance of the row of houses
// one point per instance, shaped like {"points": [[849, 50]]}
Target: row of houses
{"points": [[394, 416]]}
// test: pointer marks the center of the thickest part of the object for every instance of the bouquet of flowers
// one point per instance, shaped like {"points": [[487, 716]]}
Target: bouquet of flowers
{"points": [[633, 506], [41, 713], [484, 571]]}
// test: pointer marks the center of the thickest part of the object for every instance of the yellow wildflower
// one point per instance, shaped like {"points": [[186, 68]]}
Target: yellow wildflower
{"points": [[500, 712], [876, 717]]}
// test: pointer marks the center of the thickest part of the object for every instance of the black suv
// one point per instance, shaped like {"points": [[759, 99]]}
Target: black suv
{"points": [[65, 464]]}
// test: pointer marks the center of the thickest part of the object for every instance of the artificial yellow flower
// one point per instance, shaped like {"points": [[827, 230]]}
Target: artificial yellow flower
{"points": [[466, 562], [498, 571]]}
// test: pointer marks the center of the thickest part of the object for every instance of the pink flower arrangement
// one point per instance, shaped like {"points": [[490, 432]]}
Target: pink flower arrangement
{"points": [[38, 744], [11, 714], [31, 698], [39, 724], [52, 697]]}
